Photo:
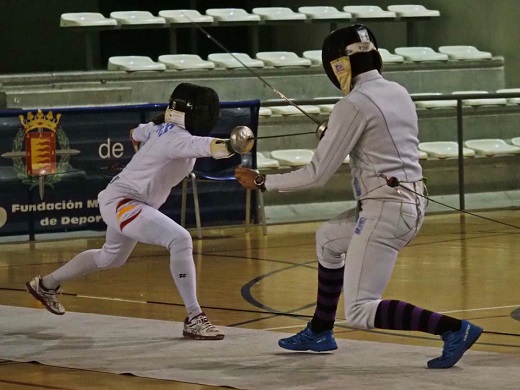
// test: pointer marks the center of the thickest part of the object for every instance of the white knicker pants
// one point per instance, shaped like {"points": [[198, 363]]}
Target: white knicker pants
{"points": [[367, 242]]}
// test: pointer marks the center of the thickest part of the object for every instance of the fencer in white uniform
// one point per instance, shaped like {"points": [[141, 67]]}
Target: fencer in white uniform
{"points": [[129, 204], [376, 125]]}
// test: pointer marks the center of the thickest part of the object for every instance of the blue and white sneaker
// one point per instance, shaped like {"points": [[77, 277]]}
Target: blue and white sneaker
{"points": [[307, 340], [455, 344]]}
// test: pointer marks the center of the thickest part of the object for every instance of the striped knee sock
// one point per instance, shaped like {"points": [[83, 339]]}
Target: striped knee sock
{"points": [[399, 315], [330, 284]]}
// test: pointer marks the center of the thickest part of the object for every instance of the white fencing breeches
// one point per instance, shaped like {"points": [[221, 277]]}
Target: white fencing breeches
{"points": [[367, 242]]}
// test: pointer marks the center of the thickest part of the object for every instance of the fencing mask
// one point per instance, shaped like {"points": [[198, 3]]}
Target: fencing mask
{"points": [[347, 52], [193, 107]]}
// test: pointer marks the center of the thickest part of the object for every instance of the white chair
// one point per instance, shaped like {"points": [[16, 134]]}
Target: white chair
{"points": [[232, 15], [282, 58], [265, 111], [293, 157], [313, 55], [464, 53], [389, 58], [134, 63], [433, 103], [322, 12], [420, 54], [185, 16], [185, 62], [291, 110], [136, 17], [492, 147], [228, 61], [85, 19], [423, 155], [515, 141], [514, 100], [368, 11], [326, 108], [444, 149], [264, 162], [413, 10], [278, 13], [481, 102]]}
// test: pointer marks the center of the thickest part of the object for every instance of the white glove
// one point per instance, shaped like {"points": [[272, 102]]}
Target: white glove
{"points": [[221, 148]]}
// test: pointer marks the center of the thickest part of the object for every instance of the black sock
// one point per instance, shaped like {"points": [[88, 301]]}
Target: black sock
{"points": [[330, 285]]}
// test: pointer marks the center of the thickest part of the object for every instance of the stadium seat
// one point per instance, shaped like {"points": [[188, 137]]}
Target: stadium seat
{"points": [[226, 60], [282, 58], [444, 149], [134, 63], [512, 100], [481, 102], [433, 103], [313, 55], [265, 111], [232, 15], [420, 54], [492, 147], [85, 19], [185, 62], [464, 53], [185, 16], [413, 10], [326, 108], [389, 57], [368, 11], [136, 17], [278, 13], [322, 12], [423, 155], [263, 162], [347, 160], [515, 141], [291, 110], [293, 157]]}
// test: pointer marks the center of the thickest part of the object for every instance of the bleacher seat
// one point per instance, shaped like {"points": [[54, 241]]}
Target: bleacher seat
{"points": [[512, 100], [433, 103], [226, 60], [185, 16], [460, 52], [515, 141], [326, 108], [232, 15], [323, 12], [389, 58], [291, 110], [293, 157], [85, 19], [412, 10], [134, 63], [136, 17], [347, 160], [313, 55], [444, 149], [264, 162], [278, 13], [368, 11], [420, 54], [265, 111], [282, 58], [481, 102], [423, 155], [185, 62], [492, 147]]}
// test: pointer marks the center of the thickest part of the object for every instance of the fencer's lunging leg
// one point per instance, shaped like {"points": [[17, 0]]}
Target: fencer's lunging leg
{"points": [[153, 227]]}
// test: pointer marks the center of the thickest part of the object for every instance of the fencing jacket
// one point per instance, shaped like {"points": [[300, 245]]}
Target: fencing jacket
{"points": [[376, 124], [167, 155]]}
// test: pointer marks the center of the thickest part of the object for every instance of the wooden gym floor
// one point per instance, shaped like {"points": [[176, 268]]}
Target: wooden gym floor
{"points": [[461, 265]]}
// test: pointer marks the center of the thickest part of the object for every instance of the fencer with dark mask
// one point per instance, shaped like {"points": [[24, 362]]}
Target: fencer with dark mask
{"points": [[375, 123], [129, 204]]}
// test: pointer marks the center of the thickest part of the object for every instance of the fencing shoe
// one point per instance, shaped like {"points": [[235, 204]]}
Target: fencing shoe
{"points": [[199, 328], [48, 297], [455, 344], [307, 340]]}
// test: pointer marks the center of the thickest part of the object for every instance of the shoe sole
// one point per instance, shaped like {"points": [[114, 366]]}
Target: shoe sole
{"points": [[192, 336], [290, 348], [31, 291]]}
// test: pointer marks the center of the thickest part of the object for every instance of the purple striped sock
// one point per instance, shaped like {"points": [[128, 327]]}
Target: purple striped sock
{"points": [[330, 285]]}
